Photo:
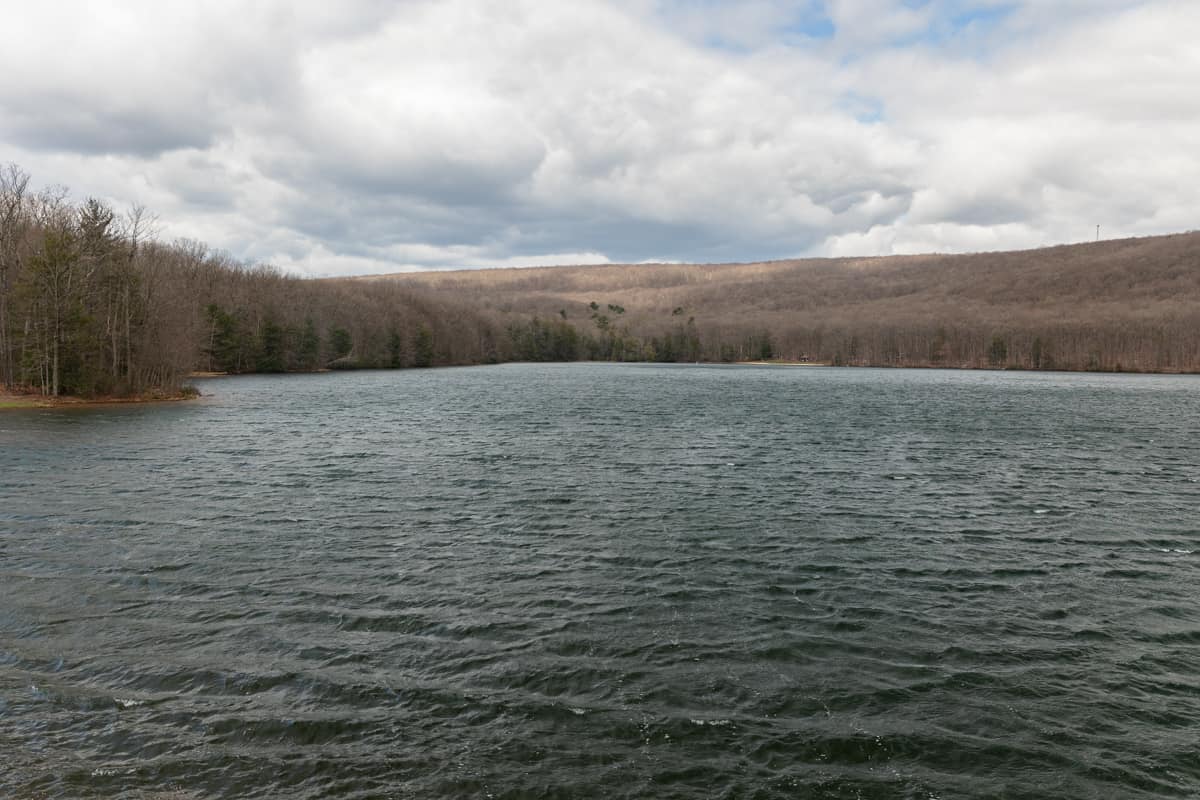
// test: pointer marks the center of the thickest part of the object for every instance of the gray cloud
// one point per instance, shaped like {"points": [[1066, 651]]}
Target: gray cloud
{"points": [[373, 135], [69, 123]]}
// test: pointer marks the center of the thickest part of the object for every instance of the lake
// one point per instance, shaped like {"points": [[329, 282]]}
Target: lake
{"points": [[601, 580]]}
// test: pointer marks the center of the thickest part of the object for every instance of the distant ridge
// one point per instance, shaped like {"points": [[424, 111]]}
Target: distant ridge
{"points": [[865, 259], [1123, 304]]}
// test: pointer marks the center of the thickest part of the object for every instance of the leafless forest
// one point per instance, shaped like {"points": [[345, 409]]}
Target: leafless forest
{"points": [[1127, 305], [92, 302]]}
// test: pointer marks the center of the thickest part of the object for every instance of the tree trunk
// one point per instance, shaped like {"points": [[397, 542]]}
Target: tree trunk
{"points": [[24, 346], [128, 340], [54, 363], [115, 337], [6, 376]]}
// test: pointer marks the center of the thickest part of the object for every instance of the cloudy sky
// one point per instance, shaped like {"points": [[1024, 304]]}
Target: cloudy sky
{"points": [[380, 135]]}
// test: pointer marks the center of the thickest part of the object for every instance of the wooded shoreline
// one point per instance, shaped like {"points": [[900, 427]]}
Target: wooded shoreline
{"points": [[94, 305]]}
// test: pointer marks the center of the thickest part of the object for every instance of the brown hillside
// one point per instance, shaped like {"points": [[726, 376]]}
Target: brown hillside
{"points": [[1125, 304]]}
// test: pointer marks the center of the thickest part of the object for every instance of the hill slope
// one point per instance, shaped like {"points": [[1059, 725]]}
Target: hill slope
{"points": [[1130, 304]]}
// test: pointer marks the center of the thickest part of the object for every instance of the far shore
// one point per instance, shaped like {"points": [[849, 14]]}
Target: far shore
{"points": [[210, 374], [779, 362]]}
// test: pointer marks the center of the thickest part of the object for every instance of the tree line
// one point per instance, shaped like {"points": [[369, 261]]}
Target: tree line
{"points": [[92, 303]]}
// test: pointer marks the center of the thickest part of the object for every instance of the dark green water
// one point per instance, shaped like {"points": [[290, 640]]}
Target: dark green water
{"points": [[607, 581]]}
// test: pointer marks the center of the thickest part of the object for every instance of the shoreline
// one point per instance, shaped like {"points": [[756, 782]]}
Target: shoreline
{"points": [[24, 401], [748, 363], [16, 401]]}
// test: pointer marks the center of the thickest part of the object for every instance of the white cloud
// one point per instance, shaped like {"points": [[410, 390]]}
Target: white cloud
{"points": [[373, 136], [1084, 124], [324, 263], [862, 23]]}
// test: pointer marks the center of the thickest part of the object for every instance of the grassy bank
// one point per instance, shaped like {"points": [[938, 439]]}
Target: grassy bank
{"points": [[10, 400]]}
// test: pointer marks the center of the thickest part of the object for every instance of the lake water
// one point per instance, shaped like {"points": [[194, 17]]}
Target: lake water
{"points": [[595, 580]]}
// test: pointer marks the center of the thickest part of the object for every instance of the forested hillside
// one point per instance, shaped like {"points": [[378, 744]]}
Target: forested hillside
{"points": [[92, 303], [1116, 305]]}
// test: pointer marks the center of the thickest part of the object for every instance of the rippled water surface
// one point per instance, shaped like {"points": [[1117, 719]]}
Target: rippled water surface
{"points": [[607, 581]]}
